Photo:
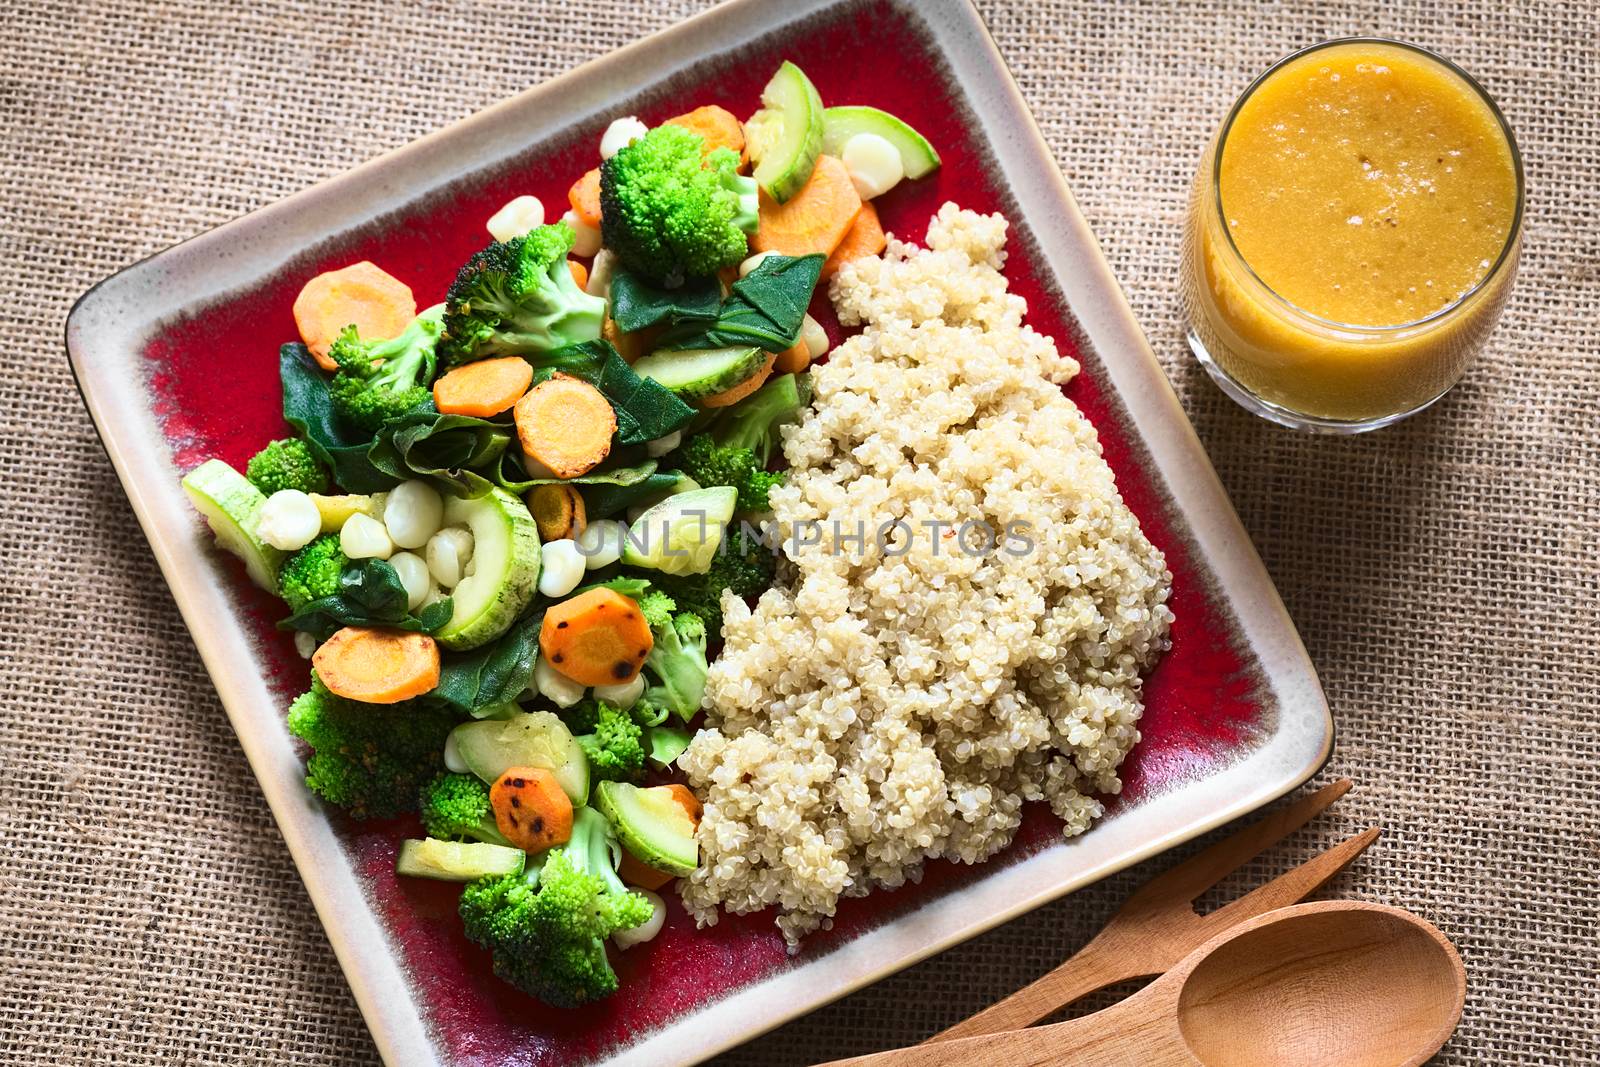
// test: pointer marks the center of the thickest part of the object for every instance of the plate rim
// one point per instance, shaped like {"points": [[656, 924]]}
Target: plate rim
{"points": [[1156, 423]]}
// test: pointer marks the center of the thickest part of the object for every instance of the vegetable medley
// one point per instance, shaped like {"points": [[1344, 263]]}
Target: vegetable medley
{"points": [[506, 524]]}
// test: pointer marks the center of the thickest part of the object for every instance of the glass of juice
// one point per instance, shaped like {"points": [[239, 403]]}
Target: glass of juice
{"points": [[1353, 235]]}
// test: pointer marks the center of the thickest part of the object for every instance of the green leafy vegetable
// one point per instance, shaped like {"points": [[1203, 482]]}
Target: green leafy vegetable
{"points": [[448, 450], [497, 673], [308, 407], [510, 467], [603, 501], [636, 304], [765, 308], [370, 594]]}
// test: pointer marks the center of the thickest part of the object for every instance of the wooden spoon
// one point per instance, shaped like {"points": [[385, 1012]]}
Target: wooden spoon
{"points": [[1331, 984]]}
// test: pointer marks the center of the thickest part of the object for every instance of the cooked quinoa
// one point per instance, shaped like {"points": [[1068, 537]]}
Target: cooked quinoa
{"points": [[897, 700]]}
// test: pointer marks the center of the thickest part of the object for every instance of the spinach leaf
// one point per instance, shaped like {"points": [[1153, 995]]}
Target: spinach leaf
{"points": [[645, 408], [765, 308], [638, 305], [447, 450], [309, 409], [370, 594], [497, 673], [601, 501], [511, 476]]}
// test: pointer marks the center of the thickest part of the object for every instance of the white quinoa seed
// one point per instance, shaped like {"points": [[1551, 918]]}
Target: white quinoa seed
{"points": [[876, 711]]}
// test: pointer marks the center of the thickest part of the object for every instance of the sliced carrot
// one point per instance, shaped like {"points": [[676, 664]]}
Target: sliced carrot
{"points": [[377, 666], [565, 426], [596, 638], [813, 220], [636, 872], [794, 359], [557, 510], [584, 196], [531, 809], [864, 238], [483, 389], [717, 125], [378, 304], [733, 394], [580, 273]]}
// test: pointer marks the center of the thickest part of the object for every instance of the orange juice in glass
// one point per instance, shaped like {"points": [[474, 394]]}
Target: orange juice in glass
{"points": [[1353, 235]]}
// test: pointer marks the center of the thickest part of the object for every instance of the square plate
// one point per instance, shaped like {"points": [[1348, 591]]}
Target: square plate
{"points": [[176, 358]]}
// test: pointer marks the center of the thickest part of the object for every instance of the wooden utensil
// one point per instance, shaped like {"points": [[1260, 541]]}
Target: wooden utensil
{"points": [[1335, 983], [1158, 925]]}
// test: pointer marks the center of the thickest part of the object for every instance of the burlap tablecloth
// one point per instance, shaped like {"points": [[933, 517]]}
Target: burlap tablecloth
{"points": [[1445, 574]]}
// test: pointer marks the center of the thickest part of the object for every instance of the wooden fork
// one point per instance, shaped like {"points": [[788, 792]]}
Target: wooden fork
{"points": [[1158, 925]]}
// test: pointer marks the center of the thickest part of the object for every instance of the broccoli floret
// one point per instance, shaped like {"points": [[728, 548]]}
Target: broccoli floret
{"points": [[456, 806], [656, 607], [369, 759], [286, 464], [734, 449], [312, 573], [678, 661], [754, 421], [615, 745], [743, 563], [582, 716], [378, 381], [547, 927], [671, 211], [519, 298]]}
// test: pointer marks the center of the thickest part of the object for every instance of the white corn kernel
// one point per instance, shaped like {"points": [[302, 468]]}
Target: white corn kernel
{"points": [[620, 134], [748, 265], [413, 574], [814, 336], [600, 544], [562, 691], [600, 274], [446, 554], [874, 164], [587, 241], [560, 567], [519, 217], [289, 520], [647, 930], [622, 696], [662, 445], [305, 644], [413, 513], [363, 537]]}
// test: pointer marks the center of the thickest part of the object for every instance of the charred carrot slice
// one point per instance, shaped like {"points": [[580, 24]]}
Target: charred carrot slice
{"points": [[596, 638], [557, 510], [531, 809]]}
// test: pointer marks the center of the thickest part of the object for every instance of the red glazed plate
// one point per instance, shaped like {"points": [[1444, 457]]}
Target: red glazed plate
{"points": [[176, 358]]}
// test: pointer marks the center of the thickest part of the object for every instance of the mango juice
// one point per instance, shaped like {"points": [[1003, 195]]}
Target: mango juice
{"points": [[1354, 234]]}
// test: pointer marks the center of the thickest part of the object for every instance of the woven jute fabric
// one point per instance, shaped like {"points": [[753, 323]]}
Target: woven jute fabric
{"points": [[1445, 573]]}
